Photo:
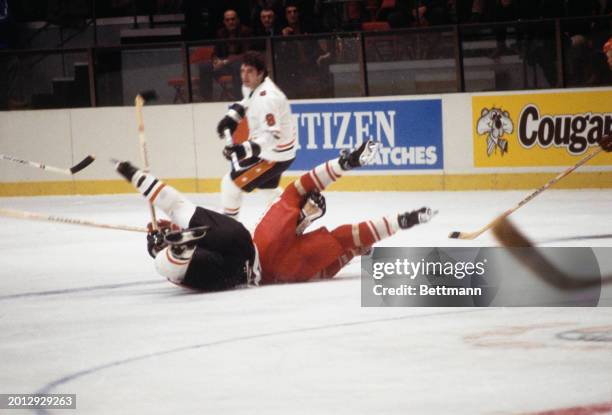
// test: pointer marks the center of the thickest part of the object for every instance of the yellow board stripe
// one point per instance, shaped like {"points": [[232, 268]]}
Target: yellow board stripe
{"points": [[501, 181]]}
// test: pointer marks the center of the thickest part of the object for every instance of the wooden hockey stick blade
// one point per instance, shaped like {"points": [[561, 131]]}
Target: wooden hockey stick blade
{"points": [[82, 164], [529, 198], [19, 214], [476, 234], [508, 235]]}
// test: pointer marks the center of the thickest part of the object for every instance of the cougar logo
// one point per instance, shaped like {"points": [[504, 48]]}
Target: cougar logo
{"points": [[495, 123]]}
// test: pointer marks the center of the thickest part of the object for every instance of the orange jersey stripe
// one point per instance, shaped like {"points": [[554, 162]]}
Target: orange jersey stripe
{"points": [[281, 146], [253, 173], [156, 193]]}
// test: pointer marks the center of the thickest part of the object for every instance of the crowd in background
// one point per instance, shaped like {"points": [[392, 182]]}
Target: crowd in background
{"points": [[306, 62], [205, 17]]}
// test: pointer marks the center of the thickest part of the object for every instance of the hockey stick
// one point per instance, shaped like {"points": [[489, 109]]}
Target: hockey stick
{"points": [[70, 171], [139, 102], [229, 141], [509, 236], [476, 234], [19, 214]]}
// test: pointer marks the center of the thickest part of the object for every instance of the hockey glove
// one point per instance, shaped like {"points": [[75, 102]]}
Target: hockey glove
{"points": [[605, 142], [236, 149], [246, 150], [231, 120], [156, 238], [409, 219], [155, 243]]}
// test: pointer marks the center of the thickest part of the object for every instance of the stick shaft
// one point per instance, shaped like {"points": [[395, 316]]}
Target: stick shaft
{"points": [[36, 164], [230, 141], [19, 214], [530, 197], [511, 237], [139, 101], [69, 172]]}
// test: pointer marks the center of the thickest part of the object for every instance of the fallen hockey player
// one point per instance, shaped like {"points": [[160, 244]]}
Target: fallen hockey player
{"points": [[209, 251]]}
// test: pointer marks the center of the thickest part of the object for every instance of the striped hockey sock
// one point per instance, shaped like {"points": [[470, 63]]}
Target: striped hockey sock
{"points": [[148, 185], [365, 234], [165, 197], [319, 178]]}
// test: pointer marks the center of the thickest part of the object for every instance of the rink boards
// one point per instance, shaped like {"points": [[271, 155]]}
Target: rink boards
{"points": [[496, 141]]}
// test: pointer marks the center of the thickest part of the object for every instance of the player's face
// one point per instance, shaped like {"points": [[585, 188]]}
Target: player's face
{"points": [[250, 77]]}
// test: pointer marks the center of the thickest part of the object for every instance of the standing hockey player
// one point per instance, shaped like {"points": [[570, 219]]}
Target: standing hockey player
{"points": [[270, 149], [215, 252]]}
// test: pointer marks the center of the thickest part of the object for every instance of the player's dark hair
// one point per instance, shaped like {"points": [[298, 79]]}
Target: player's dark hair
{"points": [[256, 60]]}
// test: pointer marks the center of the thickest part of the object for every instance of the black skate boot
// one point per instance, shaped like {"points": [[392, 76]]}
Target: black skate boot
{"points": [[409, 219], [183, 243], [314, 207], [360, 156], [186, 236]]}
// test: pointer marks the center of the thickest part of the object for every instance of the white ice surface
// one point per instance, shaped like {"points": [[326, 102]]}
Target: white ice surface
{"points": [[83, 311]]}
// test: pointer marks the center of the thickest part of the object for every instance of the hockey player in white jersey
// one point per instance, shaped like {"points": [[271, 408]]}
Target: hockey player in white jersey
{"points": [[271, 146]]}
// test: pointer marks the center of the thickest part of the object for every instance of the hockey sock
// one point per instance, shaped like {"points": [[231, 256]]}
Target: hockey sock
{"points": [[231, 197], [165, 197], [319, 178], [365, 234]]}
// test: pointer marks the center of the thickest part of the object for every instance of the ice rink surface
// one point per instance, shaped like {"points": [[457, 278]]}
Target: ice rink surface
{"points": [[82, 311]]}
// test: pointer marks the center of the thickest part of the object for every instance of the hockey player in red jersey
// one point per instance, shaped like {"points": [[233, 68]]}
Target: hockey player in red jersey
{"points": [[287, 254], [216, 252]]}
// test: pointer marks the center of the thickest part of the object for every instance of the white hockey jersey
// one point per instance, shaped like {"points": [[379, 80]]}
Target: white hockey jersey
{"points": [[271, 124]]}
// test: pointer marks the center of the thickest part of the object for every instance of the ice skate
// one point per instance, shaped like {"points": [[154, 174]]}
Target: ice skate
{"points": [[314, 208], [361, 156], [187, 237], [409, 219]]}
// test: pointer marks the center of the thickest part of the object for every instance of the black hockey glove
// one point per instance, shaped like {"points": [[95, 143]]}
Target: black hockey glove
{"points": [[237, 149], [155, 243], [156, 238], [231, 120], [409, 219], [247, 150]]}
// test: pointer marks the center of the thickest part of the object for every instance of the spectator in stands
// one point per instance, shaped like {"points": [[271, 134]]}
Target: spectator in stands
{"points": [[227, 55], [267, 24], [599, 72], [306, 61], [294, 24], [258, 5], [578, 49], [414, 13], [607, 50]]}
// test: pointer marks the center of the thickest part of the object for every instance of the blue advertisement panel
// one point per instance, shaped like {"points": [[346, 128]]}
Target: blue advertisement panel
{"points": [[410, 131]]}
